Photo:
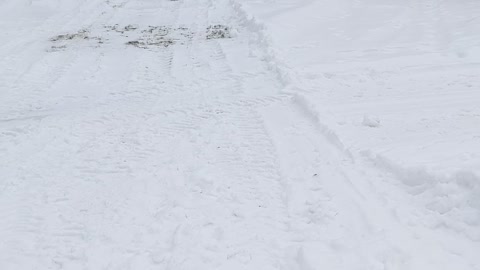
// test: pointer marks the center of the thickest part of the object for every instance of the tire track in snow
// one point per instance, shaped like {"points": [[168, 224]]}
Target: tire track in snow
{"points": [[61, 238], [43, 90], [142, 187], [317, 193], [249, 192]]}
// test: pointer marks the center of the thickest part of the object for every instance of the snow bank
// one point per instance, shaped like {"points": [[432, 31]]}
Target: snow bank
{"points": [[286, 75], [263, 41], [375, 79], [452, 199]]}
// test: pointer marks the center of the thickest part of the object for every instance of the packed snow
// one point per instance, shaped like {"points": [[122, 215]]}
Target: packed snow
{"points": [[228, 134]]}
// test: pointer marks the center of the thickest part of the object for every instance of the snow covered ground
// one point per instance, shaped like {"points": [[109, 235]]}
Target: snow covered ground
{"points": [[208, 134]]}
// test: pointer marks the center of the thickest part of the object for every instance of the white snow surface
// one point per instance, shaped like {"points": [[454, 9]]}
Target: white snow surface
{"points": [[228, 134]]}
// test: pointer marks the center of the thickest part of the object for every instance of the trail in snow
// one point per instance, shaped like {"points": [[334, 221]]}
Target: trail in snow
{"points": [[122, 157], [129, 140]]}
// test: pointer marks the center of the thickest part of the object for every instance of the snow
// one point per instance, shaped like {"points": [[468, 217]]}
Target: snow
{"points": [[370, 121], [207, 134]]}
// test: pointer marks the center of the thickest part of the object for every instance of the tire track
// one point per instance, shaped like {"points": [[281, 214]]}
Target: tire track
{"points": [[168, 167]]}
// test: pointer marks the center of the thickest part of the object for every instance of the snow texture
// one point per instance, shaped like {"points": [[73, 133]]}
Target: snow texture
{"points": [[228, 134]]}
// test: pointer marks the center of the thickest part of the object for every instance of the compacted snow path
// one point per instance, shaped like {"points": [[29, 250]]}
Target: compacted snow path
{"points": [[154, 134], [132, 140]]}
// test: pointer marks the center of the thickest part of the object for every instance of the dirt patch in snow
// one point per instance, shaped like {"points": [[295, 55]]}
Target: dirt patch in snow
{"points": [[161, 36], [121, 29], [218, 31], [62, 41], [80, 35], [150, 37]]}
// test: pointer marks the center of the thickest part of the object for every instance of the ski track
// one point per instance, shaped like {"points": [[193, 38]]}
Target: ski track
{"points": [[182, 157]]}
